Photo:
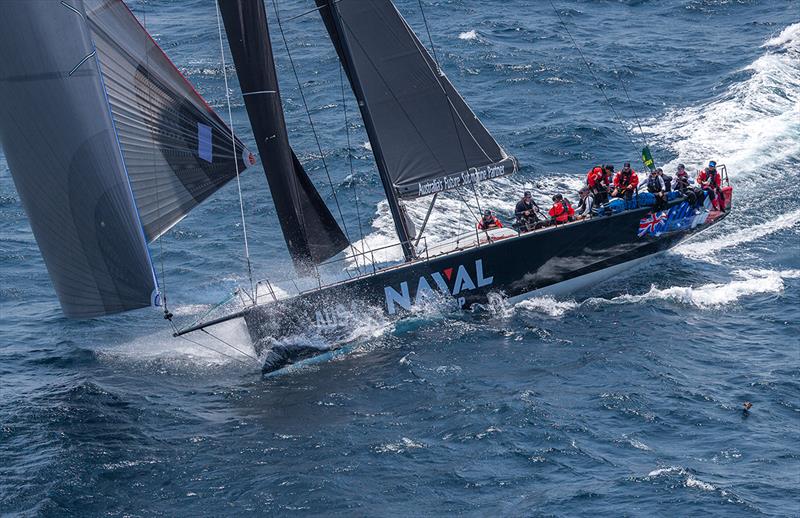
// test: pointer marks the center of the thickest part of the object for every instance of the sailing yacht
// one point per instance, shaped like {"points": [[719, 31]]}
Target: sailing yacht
{"points": [[110, 146]]}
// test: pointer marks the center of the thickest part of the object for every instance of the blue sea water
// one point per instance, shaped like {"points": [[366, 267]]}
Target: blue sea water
{"points": [[625, 400]]}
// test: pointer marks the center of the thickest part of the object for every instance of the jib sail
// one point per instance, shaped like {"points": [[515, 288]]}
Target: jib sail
{"points": [[311, 232], [59, 139], [177, 150], [425, 137]]}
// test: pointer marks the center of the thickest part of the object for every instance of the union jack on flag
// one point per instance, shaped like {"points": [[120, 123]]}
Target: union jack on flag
{"points": [[653, 224]]}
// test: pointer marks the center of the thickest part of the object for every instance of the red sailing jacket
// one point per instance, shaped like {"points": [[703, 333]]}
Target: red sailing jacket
{"points": [[705, 175], [594, 177], [633, 181], [561, 211]]}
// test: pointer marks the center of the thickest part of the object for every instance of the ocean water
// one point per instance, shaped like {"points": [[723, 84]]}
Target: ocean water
{"points": [[625, 400]]}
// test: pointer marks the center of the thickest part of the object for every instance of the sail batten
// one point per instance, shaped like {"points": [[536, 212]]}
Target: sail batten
{"points": [[177, 150], [311, 232]]}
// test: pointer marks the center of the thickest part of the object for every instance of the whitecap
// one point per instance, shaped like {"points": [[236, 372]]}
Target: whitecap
{"points": [[701, 249], [699, 484], [547, 305], [468, 35]]}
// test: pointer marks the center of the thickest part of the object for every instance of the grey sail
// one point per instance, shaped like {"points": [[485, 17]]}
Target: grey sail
{"points": [[58, 136], [427, 137], [311, 232], [177, 150]]}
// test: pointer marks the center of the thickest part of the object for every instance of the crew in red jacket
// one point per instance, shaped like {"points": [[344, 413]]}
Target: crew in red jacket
{"points": [[598, 180], [625, 182], [594, 177], [711, 182], [561, 211], [489, 221]]}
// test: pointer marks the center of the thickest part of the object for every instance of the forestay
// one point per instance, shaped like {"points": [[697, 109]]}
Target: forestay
{"points": [[58, 136], [177, 150], [425, 137]]}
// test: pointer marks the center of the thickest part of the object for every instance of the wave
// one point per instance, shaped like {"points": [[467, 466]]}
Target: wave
{"points": [[468, 35], [706, 296], [755, 122], [701, 249]]}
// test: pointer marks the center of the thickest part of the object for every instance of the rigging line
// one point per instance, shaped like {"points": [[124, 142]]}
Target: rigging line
{"points": [[235, 158], [311, 122], [155, 173], [215, 337], [596, 80], [310, 11], [350, 159], [204, 346], [633, 109], [453, 110], [449, 103]]}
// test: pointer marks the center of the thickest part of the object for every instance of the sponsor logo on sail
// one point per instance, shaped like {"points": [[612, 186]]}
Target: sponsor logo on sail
{"points": [[473, 175]]}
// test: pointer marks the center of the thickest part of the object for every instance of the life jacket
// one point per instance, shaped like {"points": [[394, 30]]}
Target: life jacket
{"points": [[594, 177], [654, 184], [623, 179], [681, 183], [494, 223], [713, 177], [561, 211]]}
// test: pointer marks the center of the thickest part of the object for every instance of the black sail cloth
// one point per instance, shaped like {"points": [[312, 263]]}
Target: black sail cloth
{"points": [[425, 137], [311, 232]]}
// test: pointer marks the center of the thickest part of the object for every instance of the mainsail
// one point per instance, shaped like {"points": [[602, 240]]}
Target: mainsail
{"points": [[177, 150], [425, 137], [310, 230], [59, 139]]}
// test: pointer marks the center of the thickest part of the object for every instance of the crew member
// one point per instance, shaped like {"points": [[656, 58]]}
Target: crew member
{"points": [[711, 181], [489, 221], [683, 184], [561, 211], [525, 211], [597, 180], [586, 203], [655, 185], [625, 183], [667, 179]]}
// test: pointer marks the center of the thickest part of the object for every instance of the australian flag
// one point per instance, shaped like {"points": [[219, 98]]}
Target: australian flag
{"points": [[654, 224]]}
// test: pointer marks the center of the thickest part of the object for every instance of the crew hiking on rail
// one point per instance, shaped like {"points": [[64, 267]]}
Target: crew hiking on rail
{"points": [[603, 185]]}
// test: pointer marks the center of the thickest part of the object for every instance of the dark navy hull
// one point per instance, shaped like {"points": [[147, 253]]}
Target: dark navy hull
{"points": [[513, 267]]}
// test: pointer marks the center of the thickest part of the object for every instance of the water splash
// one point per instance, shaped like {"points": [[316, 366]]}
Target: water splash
{"points": [[753, 122], [702, 249]]}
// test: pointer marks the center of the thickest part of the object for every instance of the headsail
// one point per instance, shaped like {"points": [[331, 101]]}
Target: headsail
{"points": [[427, 137], [59, 138], [177, 150], [311, 232]]}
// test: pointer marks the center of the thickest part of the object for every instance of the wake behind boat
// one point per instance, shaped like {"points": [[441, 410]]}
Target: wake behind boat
{"points": [[147, 149]]}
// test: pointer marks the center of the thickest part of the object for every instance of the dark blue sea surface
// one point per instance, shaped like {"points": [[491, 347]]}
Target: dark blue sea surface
{"points": [[624, 400]]}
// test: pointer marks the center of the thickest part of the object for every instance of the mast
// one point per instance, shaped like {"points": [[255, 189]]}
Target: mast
{"points": [[312, 234], [398, 212], [424, 136]]}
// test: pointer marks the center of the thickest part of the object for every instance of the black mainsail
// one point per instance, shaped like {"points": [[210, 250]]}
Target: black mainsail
{"points": [[424, 136], [311, 232], [60, 142]]}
